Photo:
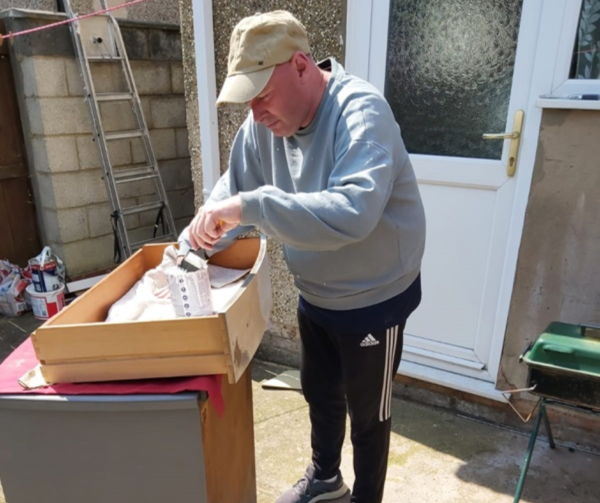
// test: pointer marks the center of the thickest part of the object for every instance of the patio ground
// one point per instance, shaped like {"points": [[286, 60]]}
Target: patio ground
{"points": [[436, 456]]}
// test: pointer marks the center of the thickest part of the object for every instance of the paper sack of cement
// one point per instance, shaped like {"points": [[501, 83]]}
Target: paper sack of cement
{"points": [[190, 292]]}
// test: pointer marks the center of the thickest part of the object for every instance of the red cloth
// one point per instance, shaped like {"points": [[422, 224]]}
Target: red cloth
{"points": [[23, 359]]}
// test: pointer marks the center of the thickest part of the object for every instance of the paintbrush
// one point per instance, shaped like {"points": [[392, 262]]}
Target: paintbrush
{"points": [[192, 261]]}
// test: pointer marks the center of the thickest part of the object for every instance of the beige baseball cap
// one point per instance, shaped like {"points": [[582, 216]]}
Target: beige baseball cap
{"points": [[259, 43]]}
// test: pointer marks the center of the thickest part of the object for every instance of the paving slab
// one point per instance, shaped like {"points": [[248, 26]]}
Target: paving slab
{"points": [[14, 330], [436, 456]]}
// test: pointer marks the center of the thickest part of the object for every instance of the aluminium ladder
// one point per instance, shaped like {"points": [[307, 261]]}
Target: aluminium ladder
{"points": [[113, 51]]}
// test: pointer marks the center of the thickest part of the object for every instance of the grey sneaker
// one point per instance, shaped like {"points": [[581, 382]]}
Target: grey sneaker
{"points": [[309, 490]]}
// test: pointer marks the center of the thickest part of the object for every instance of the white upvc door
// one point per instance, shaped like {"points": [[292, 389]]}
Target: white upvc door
{"points": [[474, 207]]}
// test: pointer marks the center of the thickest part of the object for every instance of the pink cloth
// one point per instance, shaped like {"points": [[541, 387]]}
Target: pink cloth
{"points": [[23, 359]]}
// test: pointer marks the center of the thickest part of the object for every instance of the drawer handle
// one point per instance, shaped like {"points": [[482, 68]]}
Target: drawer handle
{"points": [[559, 349]]}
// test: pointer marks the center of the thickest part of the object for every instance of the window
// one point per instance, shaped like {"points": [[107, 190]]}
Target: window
{"points": [[577, 69], [586, 56]]}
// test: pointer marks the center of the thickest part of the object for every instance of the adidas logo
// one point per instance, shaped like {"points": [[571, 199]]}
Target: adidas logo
{"points": [[369, 340]]}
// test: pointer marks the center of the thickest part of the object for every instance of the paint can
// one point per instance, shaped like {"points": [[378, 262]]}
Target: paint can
{"points": [[46, 304], [47, 271]]}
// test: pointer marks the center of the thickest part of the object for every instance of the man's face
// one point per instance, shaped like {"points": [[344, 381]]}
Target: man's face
{"points": [[282, 105]]}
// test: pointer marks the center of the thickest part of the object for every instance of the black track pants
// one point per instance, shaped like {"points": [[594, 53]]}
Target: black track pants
{"points": [[350, 371]]}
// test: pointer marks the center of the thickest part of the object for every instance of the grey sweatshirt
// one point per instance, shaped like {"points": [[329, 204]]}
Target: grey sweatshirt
{"points": [[341, 196]]}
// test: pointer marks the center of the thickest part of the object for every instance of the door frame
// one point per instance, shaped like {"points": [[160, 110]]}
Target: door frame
{"points": [[206, 78], [542, 48]]}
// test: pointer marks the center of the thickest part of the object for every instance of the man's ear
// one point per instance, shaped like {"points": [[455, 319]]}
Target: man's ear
{"points": [[300, 63]]}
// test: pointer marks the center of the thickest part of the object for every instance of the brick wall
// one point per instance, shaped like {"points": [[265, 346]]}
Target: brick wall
{"points": [[71, 198]]}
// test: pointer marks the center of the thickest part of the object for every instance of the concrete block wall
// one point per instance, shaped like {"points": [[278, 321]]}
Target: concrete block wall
{"points": [[163, 11], [45, 5], [64, 162]]}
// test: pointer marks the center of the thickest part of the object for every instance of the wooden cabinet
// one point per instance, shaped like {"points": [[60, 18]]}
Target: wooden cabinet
{"points": [[129, 449]]}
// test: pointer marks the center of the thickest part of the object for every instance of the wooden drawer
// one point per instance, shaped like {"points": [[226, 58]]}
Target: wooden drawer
{"points": [[77, 346]]}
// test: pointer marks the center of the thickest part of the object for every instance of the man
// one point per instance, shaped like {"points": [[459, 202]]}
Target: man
{"points": [[319, 164]]}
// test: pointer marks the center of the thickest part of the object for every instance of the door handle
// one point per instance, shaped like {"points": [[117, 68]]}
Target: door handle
{"points": [[515, 140], [515, 135]]}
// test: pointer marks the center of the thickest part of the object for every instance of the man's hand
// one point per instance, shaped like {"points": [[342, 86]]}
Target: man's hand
{"points": [[213, 220]]}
